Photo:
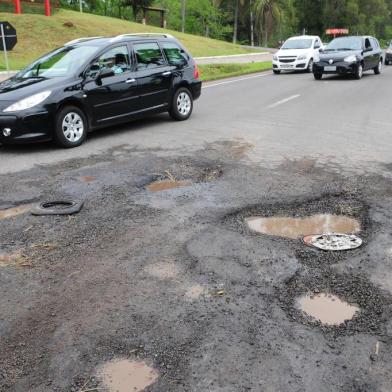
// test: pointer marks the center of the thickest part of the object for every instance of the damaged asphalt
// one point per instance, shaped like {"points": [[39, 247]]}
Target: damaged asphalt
{"points": [[175, 279]]}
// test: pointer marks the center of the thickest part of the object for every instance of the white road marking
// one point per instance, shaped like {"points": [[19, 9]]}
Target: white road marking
{"points": [[274, 105], [236, 80]]}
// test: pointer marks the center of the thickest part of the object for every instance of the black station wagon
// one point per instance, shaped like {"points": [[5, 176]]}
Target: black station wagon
{"points": [[91, 83]]}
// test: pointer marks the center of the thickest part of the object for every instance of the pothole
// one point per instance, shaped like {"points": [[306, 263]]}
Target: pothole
{"points": [[88, 179], [163, 270], [340, 303], [297, 227], [327, 308], [127, 376], [14, 211], [164, 185]]}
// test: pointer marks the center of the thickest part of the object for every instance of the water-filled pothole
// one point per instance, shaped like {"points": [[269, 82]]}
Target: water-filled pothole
{"points": [[14, 211], [294, 228], [127, 376], [167, 184], [327, 308]]}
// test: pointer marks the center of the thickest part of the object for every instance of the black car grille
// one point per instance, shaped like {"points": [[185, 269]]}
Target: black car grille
{"points": [[286, 60]]}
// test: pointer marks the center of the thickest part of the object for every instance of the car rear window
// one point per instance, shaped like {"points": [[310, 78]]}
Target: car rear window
{"points": [[175, 54], [148, 55]]}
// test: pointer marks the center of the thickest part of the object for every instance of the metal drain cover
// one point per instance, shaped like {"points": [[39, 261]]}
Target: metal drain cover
{"points": [[333, 241]]}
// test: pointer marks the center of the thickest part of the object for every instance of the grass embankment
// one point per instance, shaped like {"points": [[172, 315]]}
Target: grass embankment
{"points": [[219, 71], [38, 34]]}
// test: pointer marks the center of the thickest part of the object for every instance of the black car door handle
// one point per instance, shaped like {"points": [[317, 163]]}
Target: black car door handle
{"points": [[130, 81]]}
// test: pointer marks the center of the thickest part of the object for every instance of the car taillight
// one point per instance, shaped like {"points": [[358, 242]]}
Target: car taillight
{"points": [[196, 73]]}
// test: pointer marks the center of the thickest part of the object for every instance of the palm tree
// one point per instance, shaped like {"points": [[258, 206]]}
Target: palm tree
{"points": [[268, 15]]}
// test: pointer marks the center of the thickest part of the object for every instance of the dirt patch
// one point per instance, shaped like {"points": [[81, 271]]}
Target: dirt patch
{"points": [[16, 258], [163, 270], [373, 304], [195, 292], [127, 376], [158, 186], [327, 308], [293, 227], [88, 179], [14, 211]]}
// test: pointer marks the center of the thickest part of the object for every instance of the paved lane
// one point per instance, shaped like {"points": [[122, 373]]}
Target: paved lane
{"points": [[286, 116]]}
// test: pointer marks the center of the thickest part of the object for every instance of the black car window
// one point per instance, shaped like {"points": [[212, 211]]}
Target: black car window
{"points": [[174, 54], [367, 44], [317, 44], [148, 55], [116, 59]]}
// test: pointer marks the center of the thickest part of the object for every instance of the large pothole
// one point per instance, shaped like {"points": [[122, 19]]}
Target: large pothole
{"points": [[297, 227], [340, 303]]}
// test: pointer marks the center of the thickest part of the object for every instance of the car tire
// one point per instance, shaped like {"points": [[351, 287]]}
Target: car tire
{"points": [[182, 105], [318, 76], [310, 66], [359, 72], [276, 71], [378, 69], [71, 127]]}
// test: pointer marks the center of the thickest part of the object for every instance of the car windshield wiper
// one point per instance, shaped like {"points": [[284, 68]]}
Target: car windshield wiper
{"points": [[345, 49]]}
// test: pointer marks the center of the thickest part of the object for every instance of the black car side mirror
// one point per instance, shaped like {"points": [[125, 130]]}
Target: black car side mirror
{"points": [[104, 73]]}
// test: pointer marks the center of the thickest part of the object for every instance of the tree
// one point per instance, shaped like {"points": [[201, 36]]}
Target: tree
{"points": [[268, 15]]}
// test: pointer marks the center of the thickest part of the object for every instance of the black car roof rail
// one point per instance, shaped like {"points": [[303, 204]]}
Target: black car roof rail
{"points": [[77, 40], [141, 35]]}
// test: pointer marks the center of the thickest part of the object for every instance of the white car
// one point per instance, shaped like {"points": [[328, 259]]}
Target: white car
{"points": [[297, 53]]}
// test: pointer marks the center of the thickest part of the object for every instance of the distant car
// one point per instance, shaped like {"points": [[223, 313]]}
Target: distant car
{"points": [[349, 55], [388, 55], [297, 53], [95, 82]]}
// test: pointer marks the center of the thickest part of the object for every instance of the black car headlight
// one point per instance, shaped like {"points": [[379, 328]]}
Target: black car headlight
{"points": [[28, 102]]}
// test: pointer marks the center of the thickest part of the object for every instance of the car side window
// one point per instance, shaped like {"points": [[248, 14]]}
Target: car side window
{"points": [[317, 44], [174, 54], [375, 44], [116, 59], [148, 55], [367, 44]]}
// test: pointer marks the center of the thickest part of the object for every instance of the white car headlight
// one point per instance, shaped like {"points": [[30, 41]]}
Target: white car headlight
{"points": [[389, 50], [302, 57], [350, 59], [28, 102], [275, 57]]}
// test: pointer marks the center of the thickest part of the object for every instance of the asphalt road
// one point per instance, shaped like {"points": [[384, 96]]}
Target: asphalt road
{"points": [[175, 278], [285, 116]]}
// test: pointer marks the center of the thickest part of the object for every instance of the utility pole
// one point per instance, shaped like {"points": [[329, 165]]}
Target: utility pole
{"points": [[81, 5], [235, 21], [183, 6], [252, 35]]}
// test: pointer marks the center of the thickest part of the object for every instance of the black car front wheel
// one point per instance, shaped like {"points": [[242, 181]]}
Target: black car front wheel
{"points": [[71, 127], [318, 76], [359, 72], [377, 70], [276, 71], [182, 104]]}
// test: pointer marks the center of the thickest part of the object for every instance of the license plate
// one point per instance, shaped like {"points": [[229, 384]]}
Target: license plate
{"points": [[286, 65], [329, 68]]}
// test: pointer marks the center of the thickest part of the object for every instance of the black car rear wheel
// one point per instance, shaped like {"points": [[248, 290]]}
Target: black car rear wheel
{"points": [[378, 69], [182, 104], [71, 127], [318, 76]]}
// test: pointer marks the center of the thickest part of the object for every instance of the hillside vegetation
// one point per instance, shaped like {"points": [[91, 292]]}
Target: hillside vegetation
{"points": [[38, 34]]}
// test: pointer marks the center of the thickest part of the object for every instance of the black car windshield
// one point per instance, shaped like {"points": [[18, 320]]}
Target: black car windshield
{"points": [[61, 62], [297, 44], [345, 43]]}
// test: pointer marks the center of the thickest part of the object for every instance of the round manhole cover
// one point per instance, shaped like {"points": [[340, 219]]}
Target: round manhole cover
{"points": [[333, 241]]}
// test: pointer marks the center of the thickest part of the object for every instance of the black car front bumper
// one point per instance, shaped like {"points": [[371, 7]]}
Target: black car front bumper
{"points": [[340, 68], [27, 127]]}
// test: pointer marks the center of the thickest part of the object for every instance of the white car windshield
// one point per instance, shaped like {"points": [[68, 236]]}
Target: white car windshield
{"points": [[297, 44], [345, 43], [61, 62]]}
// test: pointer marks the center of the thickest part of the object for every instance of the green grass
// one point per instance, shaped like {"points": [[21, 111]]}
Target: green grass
{"points": [[39, 34], [219, 71]]}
